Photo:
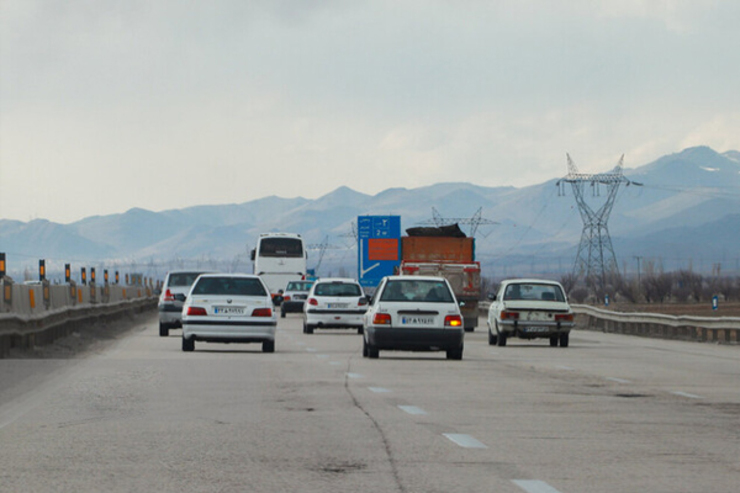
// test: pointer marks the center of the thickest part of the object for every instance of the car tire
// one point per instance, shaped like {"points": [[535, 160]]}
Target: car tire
{"points": [[469, 329], [364, 348], [564, 339], [372, 352], [164, 330], [455, 354], [553, 341], [492, 339], [268, 347], [360, 330], [501, 339], [309, 329], [188, 344], [282, 313]]}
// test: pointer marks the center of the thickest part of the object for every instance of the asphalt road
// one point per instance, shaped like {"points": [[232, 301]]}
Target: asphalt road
{"points": [[610, 413]]}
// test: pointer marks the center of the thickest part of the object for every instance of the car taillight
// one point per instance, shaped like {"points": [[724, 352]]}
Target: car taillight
{"points": [[564, 317], [453, 321], [382, 319], [313, 301], [196, 310], [262, 312], [286, 298], [168, 296], [509, 315]]}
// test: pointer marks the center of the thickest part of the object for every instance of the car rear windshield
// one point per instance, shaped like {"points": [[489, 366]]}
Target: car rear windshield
{"points": [[337, 289], [531, 291], [425, 291], [281, 247], [183, 278], [229, 286], [299, 286]]}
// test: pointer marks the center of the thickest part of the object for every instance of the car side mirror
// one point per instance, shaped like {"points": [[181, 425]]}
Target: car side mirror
{"points": [[180, 297], [491, 296], [462, 303]]}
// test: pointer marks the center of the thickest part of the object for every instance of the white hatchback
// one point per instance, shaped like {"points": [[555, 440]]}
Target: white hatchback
{"points": [[228, 308], [334, 303], [413, 313]]}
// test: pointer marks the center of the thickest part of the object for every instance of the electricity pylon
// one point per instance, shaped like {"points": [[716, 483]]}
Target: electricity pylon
{"points": [[474, 222], [595, 255]]}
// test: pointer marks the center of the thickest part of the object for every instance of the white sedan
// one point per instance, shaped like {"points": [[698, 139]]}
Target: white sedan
{"points": [[334, 303], [413, 313], [529, 309], [228, 308]]}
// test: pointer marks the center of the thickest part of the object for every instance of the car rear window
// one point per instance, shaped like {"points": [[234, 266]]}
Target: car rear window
{"points": [[337, 289], [299, 286], [531, 291], [183, 279], [229, 286], [411, 290]]}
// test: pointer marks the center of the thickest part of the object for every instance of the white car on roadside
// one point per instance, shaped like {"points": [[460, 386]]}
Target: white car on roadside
{"points": [[530, 309], [229, 308], [413, 313]]}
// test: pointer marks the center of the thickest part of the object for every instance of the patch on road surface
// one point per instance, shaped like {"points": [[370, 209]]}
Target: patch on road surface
{"points": [[342, 467]]}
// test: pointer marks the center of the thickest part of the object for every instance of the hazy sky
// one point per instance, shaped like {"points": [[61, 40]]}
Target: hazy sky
{"points": [[108, 105]]}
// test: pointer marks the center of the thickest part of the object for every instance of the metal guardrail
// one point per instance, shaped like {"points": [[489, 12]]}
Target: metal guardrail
{"points": [[658, 318]]}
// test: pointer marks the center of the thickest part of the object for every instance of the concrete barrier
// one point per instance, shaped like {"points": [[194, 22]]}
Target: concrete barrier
{"points": [[702, 329], [34, 315]]}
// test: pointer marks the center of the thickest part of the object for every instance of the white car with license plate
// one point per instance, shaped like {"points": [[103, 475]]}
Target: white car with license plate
{"points": [[530, 309], [413, 313], [229, 308], [334, 303]]}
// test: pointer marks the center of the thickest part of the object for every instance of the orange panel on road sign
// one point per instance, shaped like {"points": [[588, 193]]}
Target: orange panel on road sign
{"points": [[382, 248]]}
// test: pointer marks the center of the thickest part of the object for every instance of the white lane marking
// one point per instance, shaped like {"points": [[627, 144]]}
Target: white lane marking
{"points": [[310, 350], [534, 486], [378, 390], [465, 441], [686, 394], [618, 380], [565, 367], [322, 356], [354, 375], [335, 363], [301, 343], [413, 410]]}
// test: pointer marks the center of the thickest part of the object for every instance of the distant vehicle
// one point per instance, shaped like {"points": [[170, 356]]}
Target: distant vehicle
{"points": [[530, 309], [334, 303], [294, 297], [417, 313], [228, 308], [176, 286], [278, 259]]}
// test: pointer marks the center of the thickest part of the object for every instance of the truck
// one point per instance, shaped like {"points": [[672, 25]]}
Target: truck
{"points": [[445, 252]]}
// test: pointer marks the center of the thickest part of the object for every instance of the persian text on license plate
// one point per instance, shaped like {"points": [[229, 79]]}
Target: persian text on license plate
{"points": [[417, 320], [228, 310], [536, 329], [338, 305]]}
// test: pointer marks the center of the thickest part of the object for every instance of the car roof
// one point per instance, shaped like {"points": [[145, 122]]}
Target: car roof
{"points": [[230, 274], [415, 278], [530, 281], [337, 279], [188, 271]]}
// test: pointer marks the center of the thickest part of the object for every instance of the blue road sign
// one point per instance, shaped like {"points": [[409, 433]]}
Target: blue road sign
{"points": [[378, 249]]}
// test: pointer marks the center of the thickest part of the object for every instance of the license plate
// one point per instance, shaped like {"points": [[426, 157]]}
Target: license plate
{"points": [[338, 305], [228, 310], [417, 320], [537, 329]]}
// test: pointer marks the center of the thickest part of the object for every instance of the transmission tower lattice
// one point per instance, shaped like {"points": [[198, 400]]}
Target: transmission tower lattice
{"points": [[595, 252], [474, 222]]}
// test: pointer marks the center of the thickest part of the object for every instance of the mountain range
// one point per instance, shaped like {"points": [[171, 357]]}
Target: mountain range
{"points": [[680, 211]]}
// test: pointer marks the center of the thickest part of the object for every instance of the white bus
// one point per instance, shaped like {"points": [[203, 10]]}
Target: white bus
{"points": [[278, 259]]}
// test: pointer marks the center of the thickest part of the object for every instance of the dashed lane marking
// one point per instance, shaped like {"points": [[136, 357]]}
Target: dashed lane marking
{"points": [[686, 394], [618, 380], [534, 486], [379, 390], [465, 441], [413, 410]]}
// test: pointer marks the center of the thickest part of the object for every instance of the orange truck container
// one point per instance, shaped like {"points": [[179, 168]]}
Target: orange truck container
{"points": [[449, 257]]}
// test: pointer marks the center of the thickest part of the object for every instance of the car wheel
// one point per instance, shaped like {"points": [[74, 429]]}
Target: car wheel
{"points": [[364, 348], [455, 354], [501, 339], [188, 344], [282, 313], [553, 341], [372, 351], [360, 330], [492, 338], [164, 330], [268, 347], [564, 339], [309, 329], [469, 329]]}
